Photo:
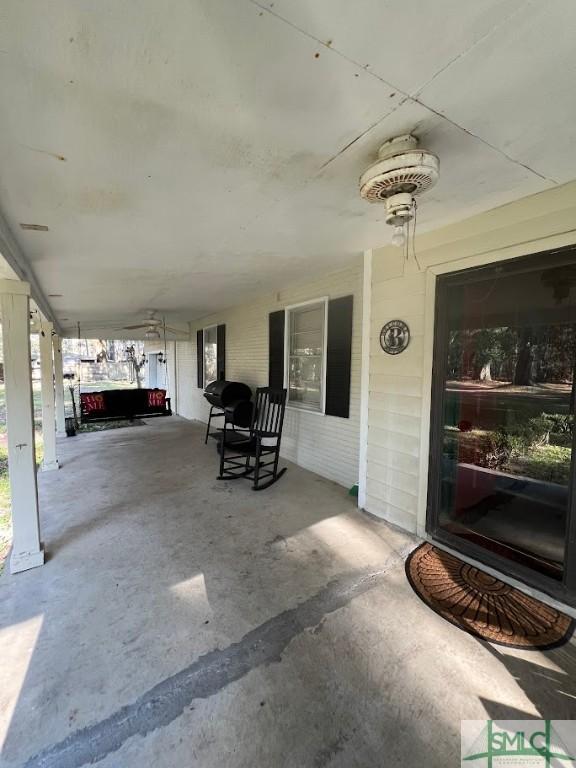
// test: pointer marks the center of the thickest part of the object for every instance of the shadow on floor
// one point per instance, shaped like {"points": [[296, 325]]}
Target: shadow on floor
{"points": [[551, 687]]}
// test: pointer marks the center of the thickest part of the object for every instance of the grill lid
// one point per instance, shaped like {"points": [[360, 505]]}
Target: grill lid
{"points": [[222, 393]]}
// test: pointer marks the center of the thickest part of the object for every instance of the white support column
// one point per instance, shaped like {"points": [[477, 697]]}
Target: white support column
{"points": [[365, 378], [50, 461], [27, 549], [59, 384]]}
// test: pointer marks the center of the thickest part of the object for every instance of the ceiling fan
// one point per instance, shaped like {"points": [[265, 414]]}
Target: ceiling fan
{"points": [[153, 326]]}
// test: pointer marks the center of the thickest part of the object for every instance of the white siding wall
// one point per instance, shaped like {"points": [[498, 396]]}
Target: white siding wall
{"points": [[185, 378], [324, 444], [399, 386], [395, 403]]}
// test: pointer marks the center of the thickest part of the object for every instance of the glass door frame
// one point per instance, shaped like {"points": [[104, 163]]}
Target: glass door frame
{"points": [[564, 590]]}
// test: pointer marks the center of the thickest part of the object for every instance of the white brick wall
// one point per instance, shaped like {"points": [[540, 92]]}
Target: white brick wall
{"points": [[324, 444]]}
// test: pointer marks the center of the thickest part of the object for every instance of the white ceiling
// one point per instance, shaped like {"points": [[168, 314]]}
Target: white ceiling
{"points": [[186, 158]]}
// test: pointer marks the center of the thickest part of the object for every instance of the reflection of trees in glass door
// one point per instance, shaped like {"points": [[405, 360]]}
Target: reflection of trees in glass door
{"points": [[503, 404]]}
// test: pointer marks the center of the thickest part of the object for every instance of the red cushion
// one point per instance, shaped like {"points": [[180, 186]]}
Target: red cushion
{"points": [[156, 398], [92, 402]]}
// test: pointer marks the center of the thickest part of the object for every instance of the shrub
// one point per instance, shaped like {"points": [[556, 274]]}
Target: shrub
{"points": [[497, 447], [534, 433], [561, 423], [494, 449]]}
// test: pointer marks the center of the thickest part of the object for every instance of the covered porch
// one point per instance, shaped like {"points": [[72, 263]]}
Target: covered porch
{"points": [[180, 620], [199, 182]]}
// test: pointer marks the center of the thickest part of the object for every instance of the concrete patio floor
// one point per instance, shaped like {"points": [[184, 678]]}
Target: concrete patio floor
{"points": [[181, 621]]}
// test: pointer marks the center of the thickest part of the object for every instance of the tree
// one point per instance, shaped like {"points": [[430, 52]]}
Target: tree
{"points": [[523, 368], [137, 363], [102, 354], [486, 344]]}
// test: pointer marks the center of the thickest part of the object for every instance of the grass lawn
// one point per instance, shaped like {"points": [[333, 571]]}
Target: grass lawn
{"points": [[5, 524], [98, 386], [547, 462]]}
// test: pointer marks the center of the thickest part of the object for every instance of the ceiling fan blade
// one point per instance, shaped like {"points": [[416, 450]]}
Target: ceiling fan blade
{"points": [[135, 327], [97, 324]]}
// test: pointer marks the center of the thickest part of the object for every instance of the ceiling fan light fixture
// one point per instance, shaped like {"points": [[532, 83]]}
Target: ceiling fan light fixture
{"points": [[402, 167], [399, 209], [403, 171], [398, 238], [152, 333]]}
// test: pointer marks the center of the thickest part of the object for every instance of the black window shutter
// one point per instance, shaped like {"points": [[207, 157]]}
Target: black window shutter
{"points": [[221, 351], [200, 358], [276, 349], [339, 356]]}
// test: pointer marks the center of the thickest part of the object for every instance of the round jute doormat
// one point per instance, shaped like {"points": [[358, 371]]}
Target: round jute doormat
{"points": [[483, 605]]}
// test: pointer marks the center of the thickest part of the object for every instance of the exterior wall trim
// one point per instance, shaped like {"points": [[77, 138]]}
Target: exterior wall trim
{"points": [[365, 377]]}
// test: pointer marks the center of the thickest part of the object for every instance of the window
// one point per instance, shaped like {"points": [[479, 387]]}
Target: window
{"points": [[306, 351], [210, 354]]}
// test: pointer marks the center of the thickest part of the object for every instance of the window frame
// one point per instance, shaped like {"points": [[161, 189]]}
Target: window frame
{"points": [[208, 328], [292, 405]]}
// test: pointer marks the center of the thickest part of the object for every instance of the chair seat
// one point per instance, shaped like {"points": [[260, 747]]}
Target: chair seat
{"points": [[247, 447]]}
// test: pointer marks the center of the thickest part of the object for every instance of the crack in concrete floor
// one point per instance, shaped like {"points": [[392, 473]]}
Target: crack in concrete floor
{"points": [[210, 673]]}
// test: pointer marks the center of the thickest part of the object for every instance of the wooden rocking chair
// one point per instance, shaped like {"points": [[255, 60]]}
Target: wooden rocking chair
{"points": [[261, 442]]}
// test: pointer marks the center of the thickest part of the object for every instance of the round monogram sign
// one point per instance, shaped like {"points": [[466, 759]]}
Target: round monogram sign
{"points": [[394, 337]]}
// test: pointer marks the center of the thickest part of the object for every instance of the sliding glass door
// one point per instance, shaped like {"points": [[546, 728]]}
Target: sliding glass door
{"points": [[502, 415]]}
